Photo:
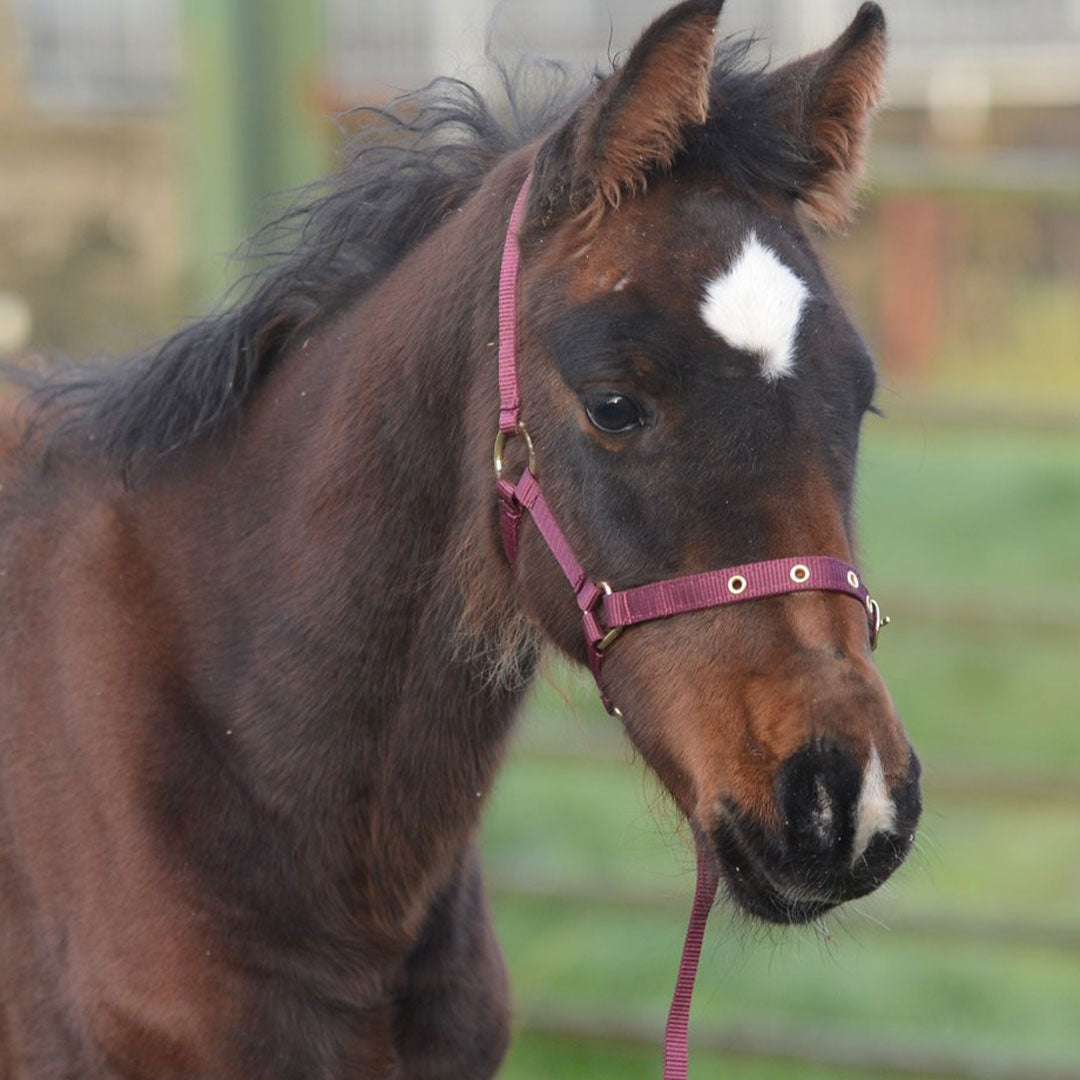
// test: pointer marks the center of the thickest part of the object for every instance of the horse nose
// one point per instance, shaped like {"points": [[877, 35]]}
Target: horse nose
{"points": [[844, 825]]}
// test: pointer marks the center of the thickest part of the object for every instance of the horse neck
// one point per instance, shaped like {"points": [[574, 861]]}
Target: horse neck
{"points": [[352, 610]]}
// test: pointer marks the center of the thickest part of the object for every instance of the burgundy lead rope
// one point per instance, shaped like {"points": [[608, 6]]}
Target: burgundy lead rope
{"points": [[605, 612], [677, 1029]]}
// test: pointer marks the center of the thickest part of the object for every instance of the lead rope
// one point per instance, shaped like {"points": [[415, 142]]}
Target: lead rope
{"points": [[677, 1029]]}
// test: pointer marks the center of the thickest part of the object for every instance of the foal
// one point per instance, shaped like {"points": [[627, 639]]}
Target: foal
{"points": [[261, 647]]}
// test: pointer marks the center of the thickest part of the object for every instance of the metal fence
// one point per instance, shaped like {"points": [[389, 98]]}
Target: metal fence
{"points": [[124, 54], [100, 54]]}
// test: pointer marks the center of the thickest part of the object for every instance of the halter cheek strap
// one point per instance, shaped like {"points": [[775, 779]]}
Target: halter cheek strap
{"points": [[606, 612]]}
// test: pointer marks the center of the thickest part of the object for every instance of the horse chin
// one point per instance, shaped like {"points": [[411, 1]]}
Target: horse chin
{"points": [[753, 889]]}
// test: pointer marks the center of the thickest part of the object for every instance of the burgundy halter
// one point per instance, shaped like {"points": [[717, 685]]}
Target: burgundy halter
{"points": [[606, 612]]}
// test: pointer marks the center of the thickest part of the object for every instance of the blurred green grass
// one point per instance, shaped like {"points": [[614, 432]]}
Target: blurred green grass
{"points": [[971, 510], [962, 520], [536, 1058]]}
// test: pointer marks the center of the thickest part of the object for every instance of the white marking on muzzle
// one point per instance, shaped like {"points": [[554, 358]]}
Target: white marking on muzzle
{"points": [[876, 811], [756, 306]]}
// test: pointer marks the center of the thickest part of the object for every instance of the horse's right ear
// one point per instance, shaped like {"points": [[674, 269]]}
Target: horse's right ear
{"points": [[826, 101], [635, 121]]}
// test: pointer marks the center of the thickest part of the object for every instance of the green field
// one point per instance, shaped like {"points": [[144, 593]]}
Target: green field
{"points": [[968, 963]]}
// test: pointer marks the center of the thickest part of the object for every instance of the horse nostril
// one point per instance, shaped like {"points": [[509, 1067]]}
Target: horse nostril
{"points": [[823, 815], [816, 791]]}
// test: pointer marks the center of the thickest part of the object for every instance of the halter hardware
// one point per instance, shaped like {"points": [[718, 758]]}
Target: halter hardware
{"points": [[502, 438], [615, 631], [878, 621]]}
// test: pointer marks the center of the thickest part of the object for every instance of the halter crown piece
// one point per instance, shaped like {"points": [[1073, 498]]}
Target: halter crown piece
{"points": [[606, 612]]}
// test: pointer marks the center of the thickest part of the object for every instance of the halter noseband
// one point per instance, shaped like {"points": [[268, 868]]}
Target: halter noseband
{"points": [[606, 612]]}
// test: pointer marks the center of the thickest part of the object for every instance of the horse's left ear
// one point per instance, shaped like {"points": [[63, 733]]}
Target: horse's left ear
{"points": [[827, 100], [636, 120]]}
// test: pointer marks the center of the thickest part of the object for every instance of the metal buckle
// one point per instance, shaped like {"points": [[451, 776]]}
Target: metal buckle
{"points": [[615, 631], [501, 440], [879, 621]]}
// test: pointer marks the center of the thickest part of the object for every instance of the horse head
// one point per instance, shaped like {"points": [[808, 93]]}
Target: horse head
{"points": [[694, 390]]}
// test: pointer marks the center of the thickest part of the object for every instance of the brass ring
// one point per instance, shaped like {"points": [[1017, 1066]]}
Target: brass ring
{"points": [[615, 631], [736, 584], [501, 440], [799, 573]]}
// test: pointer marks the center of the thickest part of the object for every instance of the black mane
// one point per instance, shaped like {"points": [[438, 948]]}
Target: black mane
{"points": [[410, 165]]}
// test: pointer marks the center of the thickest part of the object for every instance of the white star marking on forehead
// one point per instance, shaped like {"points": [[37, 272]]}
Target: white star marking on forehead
{"points": [[756, 305]]}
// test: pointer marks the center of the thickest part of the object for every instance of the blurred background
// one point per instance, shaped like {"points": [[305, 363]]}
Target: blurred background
{"points": [[141, 140]]}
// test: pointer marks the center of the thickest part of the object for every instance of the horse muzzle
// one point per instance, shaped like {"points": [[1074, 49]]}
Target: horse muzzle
{"points": [[840, 832]]}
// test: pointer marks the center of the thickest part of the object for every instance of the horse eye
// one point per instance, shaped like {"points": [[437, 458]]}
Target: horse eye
{"points": [[613, 413]]}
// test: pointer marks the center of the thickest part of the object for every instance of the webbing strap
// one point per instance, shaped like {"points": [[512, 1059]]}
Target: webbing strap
{"points": [[509, 399], [677, 1031], [732, 585]]}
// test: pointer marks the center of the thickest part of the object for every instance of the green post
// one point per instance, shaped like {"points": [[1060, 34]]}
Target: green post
{"points": [[293, 53], [252, 119]]}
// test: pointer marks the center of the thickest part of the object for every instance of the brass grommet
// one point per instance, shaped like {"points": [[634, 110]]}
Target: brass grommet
{"points": [[736, 584], [853, 579], [799, 573]]}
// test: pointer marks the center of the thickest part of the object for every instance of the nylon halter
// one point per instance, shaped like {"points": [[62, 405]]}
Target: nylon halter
{"points": [[606, 612]]}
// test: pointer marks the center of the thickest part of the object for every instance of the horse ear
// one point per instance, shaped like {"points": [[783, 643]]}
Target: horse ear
{"points": [[637, 119], [827, 100]]}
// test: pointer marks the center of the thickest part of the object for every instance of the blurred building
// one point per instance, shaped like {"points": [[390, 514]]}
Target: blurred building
{"points": [[90, 196], [138, 136]]}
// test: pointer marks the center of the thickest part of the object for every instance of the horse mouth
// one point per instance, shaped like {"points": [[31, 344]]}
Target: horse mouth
{"points": [[756, 891]]}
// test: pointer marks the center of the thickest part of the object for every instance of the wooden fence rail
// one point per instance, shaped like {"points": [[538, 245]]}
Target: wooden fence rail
{"points": [[980, 929], [842, 1051]]}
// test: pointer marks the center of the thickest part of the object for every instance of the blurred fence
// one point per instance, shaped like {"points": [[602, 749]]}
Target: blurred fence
{"points": [[800, 1047], [966, 275], [969, 295]]}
